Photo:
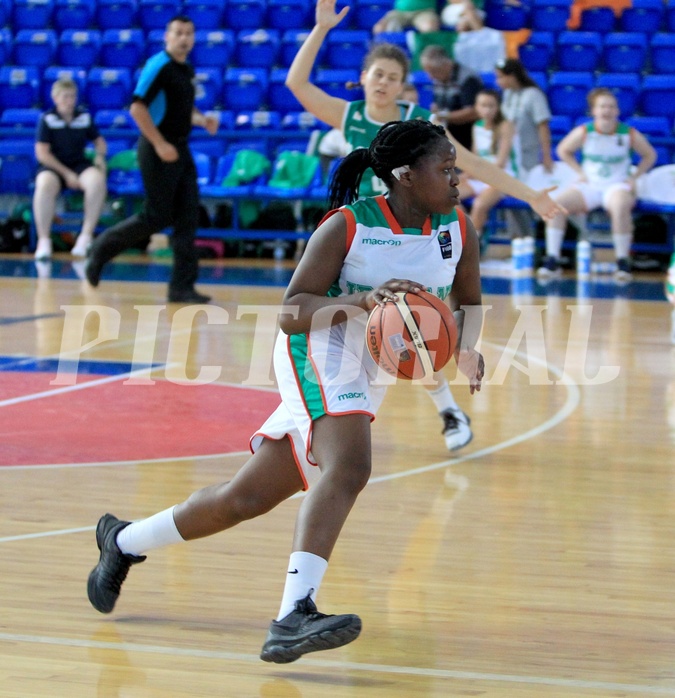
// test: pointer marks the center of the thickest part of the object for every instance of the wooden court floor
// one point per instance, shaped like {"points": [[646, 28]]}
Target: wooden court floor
{"points": [[537, 561]]}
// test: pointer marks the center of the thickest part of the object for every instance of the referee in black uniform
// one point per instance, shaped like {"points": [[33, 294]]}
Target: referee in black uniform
{"points": [[163, 108]]}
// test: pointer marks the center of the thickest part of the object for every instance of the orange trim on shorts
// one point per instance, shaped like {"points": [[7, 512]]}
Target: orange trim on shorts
{"points": [[305, 485]]}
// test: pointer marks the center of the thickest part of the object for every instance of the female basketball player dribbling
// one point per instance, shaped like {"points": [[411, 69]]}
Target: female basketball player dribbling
{"points": [[320, 434]]}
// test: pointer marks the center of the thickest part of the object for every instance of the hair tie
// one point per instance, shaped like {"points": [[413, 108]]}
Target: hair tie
{"points": [[398, 171]]}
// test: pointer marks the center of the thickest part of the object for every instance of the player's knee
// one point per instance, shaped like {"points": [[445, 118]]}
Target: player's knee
{"points": [[353, 478]]}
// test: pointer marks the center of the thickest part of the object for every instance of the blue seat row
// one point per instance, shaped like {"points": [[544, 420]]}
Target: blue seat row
{"points": [[238, 89], [128, 48], [615, 53], [649, 16], [154, 14]]}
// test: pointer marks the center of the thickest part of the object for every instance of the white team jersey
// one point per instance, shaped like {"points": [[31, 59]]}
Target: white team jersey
{"points": [[483, 145], [329, 371], [606, 157]]}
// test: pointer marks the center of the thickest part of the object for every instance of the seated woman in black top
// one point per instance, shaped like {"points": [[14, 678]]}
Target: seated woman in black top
{"points": [[62, 135]]}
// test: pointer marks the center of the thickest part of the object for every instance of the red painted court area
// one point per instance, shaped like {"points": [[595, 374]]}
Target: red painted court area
{"points": [[116, 422]]}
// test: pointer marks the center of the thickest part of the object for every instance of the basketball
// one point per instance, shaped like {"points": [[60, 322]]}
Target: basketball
{"points": [[413, 337]]}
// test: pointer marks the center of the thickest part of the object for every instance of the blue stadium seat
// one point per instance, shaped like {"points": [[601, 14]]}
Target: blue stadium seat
{"points": [[655, 127], [399, 39], [424, 85], [206, 14], [276, 192], [578, 51], [53, 73], [223, 167], [20, 118], [626, 89], [17, 165], [35, 47], [289, 14], [291, 41], [5, 12], [257, 48], [245, 89], [658, 95], [120, 122], [203, 165], [5, 46], [155, 14], [122, 48], [208, 88], [108, 88], [670, 17], [245, 14], [567, 92], [346, 48], [302, 121], [31, 14], [625, 52], [663, 53], [280, 98], [334, 81], [73, 14], [154, 42], [368, 12], [489, 79], [116, 14], [505, 15], [79, 47], [19, 86], [643, 16], [212, 48], [118, 119], [257, 121], [538, 51], [550, 15], [598, 19], [560, 125], [539, 76]]}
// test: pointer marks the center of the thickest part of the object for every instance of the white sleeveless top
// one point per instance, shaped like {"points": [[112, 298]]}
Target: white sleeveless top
{"points": [[606, 157]]}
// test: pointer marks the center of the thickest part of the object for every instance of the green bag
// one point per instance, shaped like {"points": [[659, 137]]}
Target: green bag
{"points": [[125, 160], [293, 169], [247, 166]]}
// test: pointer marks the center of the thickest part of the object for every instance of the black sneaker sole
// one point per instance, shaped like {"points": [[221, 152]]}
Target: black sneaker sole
{"points": [[328, 640]]}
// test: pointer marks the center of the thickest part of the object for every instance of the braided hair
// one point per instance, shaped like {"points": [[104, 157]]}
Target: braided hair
{"points": [[396, 144]]}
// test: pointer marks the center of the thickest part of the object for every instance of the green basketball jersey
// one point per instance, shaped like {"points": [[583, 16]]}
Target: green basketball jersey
{"points": [[360, 130]]}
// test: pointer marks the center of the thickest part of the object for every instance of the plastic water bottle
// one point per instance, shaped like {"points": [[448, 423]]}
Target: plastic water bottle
{"points": [[584, 255], [518, 255], [528, 253]]}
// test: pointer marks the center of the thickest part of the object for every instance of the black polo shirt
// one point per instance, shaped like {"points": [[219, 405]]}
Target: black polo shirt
{"points": [[67, 140], [166, 87]]}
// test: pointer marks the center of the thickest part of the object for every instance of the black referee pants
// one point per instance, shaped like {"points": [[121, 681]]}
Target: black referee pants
{"points": [[171, 198]]}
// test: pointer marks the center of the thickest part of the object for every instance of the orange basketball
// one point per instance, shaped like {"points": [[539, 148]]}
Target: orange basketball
{"points": [[413, 337]]}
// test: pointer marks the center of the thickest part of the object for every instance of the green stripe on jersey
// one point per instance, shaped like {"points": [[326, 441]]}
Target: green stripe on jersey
{"points": [[309, 381]]}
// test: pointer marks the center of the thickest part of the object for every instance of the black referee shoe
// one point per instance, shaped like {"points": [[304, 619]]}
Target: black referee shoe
{"points": [[105, 580], [189, 296], [306, 630]]}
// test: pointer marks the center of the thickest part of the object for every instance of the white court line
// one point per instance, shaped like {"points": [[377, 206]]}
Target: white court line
{"points": [[385, 669], [81, 386]]}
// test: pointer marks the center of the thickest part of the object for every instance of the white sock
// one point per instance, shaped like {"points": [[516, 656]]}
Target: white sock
{"points": [[554, 241], [154, 532], [442, 398], [622, 244], [305, 572]]}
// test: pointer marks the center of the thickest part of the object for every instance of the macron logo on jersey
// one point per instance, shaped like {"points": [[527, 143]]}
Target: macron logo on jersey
{"points": [[375, 241]]}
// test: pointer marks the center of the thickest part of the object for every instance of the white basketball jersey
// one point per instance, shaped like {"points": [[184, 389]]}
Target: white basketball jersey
{"points": [[379, 249], [606, 157]]}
